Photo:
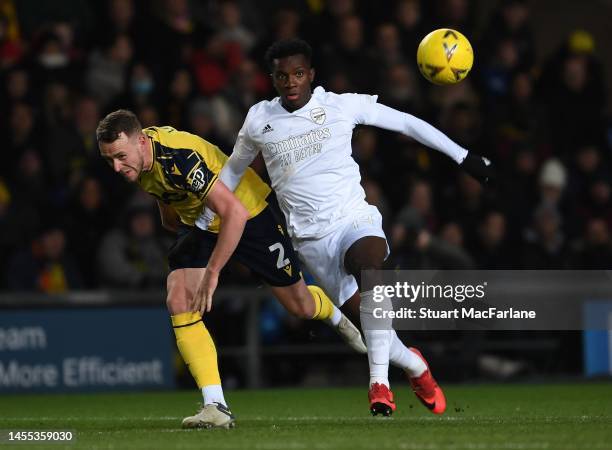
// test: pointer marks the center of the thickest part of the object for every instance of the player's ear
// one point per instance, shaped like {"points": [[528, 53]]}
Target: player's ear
{"points": [[311, 74]]}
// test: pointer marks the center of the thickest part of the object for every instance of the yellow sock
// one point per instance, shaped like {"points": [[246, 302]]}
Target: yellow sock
{"points": [[324, 308], [197, 348]]}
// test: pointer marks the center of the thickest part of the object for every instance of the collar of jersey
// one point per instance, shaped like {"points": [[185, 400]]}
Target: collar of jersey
{"points": [[316, 92], [152, 157]]}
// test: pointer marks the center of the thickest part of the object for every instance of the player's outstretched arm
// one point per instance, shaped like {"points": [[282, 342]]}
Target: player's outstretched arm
{"points": [[233, 218], [391, 119]]}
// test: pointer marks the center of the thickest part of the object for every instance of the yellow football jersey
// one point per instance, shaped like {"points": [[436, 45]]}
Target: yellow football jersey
{"points": [[186, 167]]}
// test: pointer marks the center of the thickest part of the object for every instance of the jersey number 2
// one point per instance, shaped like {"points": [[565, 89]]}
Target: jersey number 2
{"points": [[281, 261]]}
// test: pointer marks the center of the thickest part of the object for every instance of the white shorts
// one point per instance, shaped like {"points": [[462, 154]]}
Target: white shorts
{"points": [[324, 257]]}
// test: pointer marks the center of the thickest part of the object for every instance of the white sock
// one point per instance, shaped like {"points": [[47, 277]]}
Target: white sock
{"points": [[403, 358], [213, 393], [334, 320], [377, 341]]}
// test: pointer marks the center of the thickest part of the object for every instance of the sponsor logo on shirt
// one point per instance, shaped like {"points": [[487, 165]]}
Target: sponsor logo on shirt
{"points": [[267, 129], [298, 148], [198, 181], [294, 142]]}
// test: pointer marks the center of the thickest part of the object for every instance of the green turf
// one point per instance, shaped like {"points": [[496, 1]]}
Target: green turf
{"points": [[568, 416]]}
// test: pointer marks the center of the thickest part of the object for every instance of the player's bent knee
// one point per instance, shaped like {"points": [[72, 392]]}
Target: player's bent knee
{"points": [[176, 300]]}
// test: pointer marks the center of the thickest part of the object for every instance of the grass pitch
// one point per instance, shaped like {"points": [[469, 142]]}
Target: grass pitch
{"points": [[562, 416]]}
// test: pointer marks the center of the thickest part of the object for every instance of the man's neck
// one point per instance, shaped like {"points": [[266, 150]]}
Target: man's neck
{"points": [[148, 156]]}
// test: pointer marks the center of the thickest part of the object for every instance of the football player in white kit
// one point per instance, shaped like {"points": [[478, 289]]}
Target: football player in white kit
{"points": [[305, 139]]}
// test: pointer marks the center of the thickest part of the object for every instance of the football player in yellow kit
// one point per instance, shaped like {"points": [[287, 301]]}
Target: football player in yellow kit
{"points": [[181, 170]]}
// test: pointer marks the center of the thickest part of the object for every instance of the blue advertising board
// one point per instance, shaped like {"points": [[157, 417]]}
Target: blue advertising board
{"points": [[85, 349], [597, 343]]}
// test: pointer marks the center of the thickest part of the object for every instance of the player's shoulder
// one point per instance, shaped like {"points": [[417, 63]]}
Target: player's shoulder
{"points": [[348, 98], [172, 138], [262, 108]]}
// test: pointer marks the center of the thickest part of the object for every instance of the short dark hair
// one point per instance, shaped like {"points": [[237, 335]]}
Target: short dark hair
{"points": [[287, 47], [115, 123]]}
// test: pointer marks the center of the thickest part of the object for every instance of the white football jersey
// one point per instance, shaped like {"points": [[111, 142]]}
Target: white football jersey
{"points": [[308, 156]]}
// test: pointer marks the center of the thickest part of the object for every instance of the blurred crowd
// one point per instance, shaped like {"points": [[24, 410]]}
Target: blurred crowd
{"points": [[68, 222]]}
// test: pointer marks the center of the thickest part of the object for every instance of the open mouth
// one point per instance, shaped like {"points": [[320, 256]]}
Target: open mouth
{"points": [[293, 97]]}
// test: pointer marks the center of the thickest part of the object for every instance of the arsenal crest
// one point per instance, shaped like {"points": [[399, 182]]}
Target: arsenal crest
{"points": [[318, 116]]}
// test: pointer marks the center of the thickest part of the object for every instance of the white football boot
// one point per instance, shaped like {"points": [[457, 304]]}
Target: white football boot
{"points": [[351, 335], [214, 415]]}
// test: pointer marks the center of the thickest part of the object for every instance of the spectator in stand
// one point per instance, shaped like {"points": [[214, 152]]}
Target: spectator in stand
{"points": [[387, 51], [545, 247], [141, 88], [148, 115], [30, 182], [118, 17], [325, 24], [46, 267], [456, 14], [89, 218], [231, 27], [16, 222], [511, 20], [416, 248], [203, 122], [348, 55], [365, 153], [490, 249], [11, 45], [594, 250], [71, 148], [248, 86], [597, 203], [177, 105], [399, 89], [51, 59], [573, 88], [466, 202], [17, 89], [107, 73], [285, 25], [134, 255], [215, 63], [409, 20], [518, 120], [519, 198], [419, 210]]}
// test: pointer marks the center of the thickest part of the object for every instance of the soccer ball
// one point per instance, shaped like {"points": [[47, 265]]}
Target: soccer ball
{"points": [[445, 56]]}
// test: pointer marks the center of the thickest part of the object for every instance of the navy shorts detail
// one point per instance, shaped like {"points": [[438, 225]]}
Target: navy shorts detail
{"points": [[265, 248]]}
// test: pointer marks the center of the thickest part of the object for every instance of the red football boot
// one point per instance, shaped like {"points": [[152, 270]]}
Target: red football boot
{"points": [[426, 389], [381, 400]]}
